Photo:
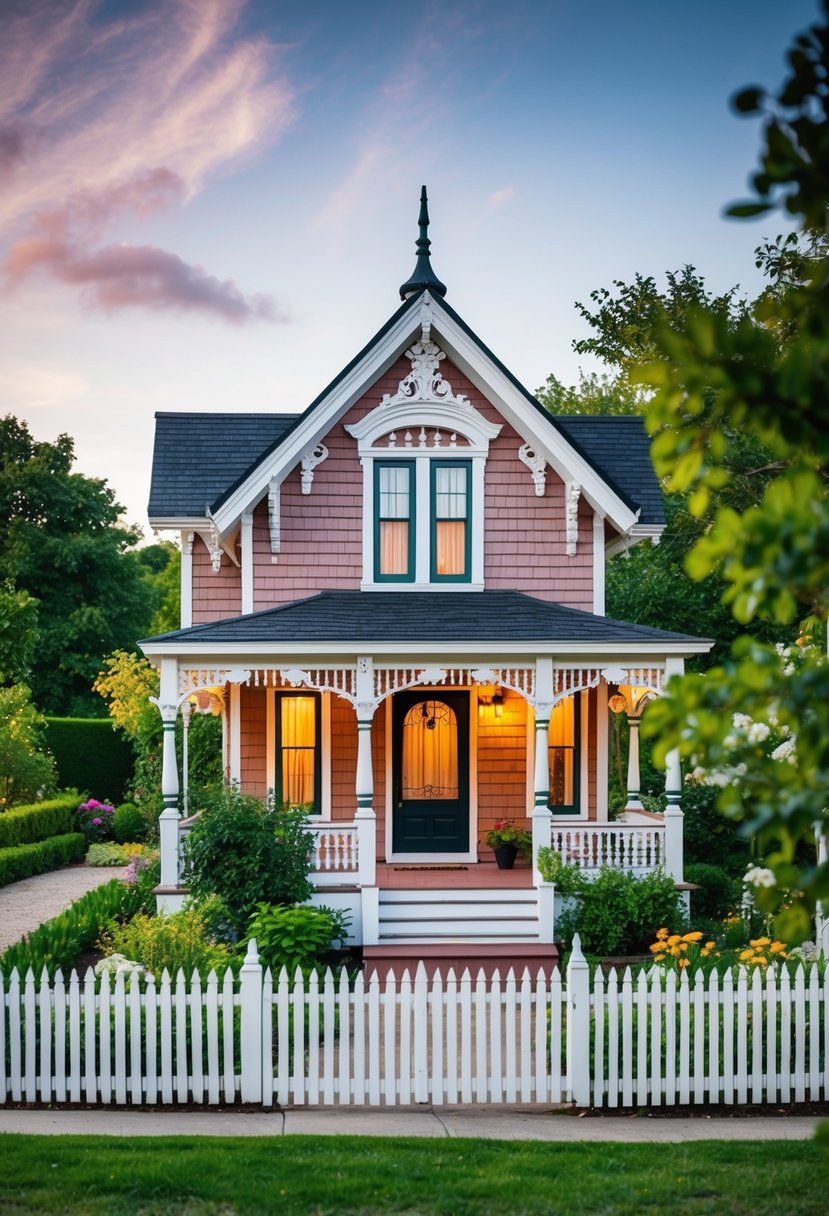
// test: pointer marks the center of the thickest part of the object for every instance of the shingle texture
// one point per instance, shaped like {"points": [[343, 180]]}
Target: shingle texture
{"points": [[197, 456], [619, 447], [399, 616]]}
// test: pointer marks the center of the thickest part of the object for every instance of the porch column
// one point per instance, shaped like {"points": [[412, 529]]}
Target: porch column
{"points": [[365, 818], [186, 715], [673, 792], [634, 802], [542, 815], [168, 820]]}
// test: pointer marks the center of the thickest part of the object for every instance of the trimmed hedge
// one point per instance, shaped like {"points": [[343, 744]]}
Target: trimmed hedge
{"points": [[91, 756], [39, 821], [25, 860]]}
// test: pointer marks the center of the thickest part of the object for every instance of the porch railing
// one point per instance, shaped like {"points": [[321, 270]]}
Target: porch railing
{"points": [[630, 847], [336, 853]]}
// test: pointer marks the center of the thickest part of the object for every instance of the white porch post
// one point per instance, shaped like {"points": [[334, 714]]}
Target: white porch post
{"points": [[542, 815], [634, 802], [674, 864], [821, 920], [235, 758], [186, 715], [186, 616], [246, 538], [168, 820], [365, 818]]}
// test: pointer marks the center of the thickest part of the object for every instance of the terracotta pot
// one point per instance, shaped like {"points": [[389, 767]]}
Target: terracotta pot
{"points": [[505, 855]]}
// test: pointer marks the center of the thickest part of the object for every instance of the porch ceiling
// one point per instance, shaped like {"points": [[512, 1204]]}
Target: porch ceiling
{"points": [[368, 618]]}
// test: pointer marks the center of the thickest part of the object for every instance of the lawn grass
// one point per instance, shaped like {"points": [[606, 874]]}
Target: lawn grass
{"points": [[350, 1175]]}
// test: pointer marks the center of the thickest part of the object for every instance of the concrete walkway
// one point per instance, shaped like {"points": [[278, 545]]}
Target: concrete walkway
{"points": [[480, 1122], [25, 905]]}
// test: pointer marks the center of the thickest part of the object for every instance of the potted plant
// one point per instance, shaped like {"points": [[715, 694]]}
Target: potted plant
{"points": [[507, 841]]}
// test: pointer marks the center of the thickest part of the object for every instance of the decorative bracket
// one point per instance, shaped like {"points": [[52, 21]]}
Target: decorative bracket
{"points": [[309, 462], [273, 515], [572, 493], [537, 466]]}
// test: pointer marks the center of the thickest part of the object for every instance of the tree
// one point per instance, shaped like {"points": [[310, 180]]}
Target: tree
{"points": [[162, 566], [18, 633], [594, 394], [27, 771], [773, 555], [62, 543]]}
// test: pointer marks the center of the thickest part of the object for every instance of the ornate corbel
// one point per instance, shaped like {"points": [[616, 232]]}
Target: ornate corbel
{"points": [[309, 462], [572, 494], [274, 515], [537, 466]]}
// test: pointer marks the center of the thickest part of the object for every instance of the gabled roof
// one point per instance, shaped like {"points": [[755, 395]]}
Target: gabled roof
{"points": [[447, 618], [621, 447], [560, 447]]}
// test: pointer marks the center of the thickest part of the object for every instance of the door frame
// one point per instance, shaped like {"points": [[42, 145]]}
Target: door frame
{"points": [[434, 693]]}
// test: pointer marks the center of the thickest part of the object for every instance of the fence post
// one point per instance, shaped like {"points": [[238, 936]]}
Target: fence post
{"points": [[250, 1045], [370, 910], [578, 1025], [546, 894]]}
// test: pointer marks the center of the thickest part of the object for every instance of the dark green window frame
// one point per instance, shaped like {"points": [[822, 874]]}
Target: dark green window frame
{"points": [[466, 576], [316, 809], [574, 807], [409, 466]]}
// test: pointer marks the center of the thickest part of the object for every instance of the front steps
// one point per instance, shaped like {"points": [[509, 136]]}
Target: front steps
{"points": [[482, 929]]}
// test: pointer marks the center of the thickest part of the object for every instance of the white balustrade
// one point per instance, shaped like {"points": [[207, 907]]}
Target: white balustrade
{"points": [[633, 848], [335, 855]]}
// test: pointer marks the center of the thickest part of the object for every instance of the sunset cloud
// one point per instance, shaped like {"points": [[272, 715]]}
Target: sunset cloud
{"points": [[498, 197], [102, 118]]}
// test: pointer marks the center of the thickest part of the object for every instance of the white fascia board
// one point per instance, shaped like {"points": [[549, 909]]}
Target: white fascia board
{"points": [[242, 654], [637, 533], [316, 425], [179, 523], [550, 442]]}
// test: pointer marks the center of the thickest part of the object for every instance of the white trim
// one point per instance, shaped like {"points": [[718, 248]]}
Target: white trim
{"points": [[270, 741], [422, 514], [474, 586], [639, 532], [389, 783], [325, 759], [529, 780], [178, 523], [469, 357], [602, 752], [186, 579], [584, 758], [636, 654], [473, 771], [235, 760], [246, 544], [598, 564]]}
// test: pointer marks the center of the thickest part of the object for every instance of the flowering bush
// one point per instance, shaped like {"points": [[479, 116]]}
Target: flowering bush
{"points": [[688, 951], [95, 819], [505, 832]]}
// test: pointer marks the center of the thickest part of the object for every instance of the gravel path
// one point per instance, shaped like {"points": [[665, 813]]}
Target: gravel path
{"points": [[25, 905]]}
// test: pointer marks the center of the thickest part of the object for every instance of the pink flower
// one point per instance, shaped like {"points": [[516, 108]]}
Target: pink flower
{"points": [[97, 822]]}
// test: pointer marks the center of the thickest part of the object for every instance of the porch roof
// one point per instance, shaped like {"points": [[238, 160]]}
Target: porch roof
{"points": [[443, 617]]}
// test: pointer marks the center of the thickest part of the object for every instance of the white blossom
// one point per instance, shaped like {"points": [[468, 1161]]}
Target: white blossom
{"points": [[786, 750], [741, 722], [760, 876], [758, 732]]}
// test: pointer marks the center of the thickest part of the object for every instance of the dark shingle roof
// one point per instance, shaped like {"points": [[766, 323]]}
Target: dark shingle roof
{"points": [[620, 448], [425, 616], [196, 457]]}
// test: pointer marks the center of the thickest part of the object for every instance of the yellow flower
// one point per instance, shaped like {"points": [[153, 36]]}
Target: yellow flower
{"points": [[761, 941], [656, 947], [674, 938], [661, 934], [660, 958], [696, 936], [778, 948], [684, 962], [745, 955], [710, 945]]}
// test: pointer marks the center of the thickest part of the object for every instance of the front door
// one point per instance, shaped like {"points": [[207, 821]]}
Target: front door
{"points": [[431, 772]]}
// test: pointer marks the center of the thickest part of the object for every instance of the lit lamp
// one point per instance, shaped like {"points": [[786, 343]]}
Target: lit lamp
{"points": [[490, 697]]}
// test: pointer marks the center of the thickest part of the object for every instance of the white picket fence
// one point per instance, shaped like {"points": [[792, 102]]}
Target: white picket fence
{"points": [[450, 1039]]}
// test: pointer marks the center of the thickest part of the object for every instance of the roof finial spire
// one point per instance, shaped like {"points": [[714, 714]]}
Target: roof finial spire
{"points": [[423, 275]]}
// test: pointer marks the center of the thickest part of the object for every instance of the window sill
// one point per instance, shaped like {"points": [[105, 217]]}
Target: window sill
{"points": [[421, 586]]}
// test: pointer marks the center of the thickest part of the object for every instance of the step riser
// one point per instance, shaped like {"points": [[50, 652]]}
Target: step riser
{"points": [[441, 895]]}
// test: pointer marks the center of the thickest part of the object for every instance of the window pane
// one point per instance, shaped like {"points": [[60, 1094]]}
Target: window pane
{"points": [[298, 741], [394, 548], [299, 727], [450, 540], [562, 724], [562, 738], [298, 776], [450, 493], [394, 493], [430, 752]]}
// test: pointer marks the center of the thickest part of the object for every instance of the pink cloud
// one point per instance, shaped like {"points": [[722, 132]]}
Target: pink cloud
{"points": [[142, 109]]}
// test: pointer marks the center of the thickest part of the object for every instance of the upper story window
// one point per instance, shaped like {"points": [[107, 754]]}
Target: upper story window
{"points": [[450, 520], [423, 529], [394, 533]]}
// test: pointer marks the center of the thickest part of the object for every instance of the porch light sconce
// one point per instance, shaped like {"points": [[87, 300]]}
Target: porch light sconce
{"points": [[490, 697], [206, 702], [617, 704], [498, 704]]}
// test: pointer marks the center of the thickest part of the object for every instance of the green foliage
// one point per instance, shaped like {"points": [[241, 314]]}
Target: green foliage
{"points": [[506, 832], [62, 543], [595, 394], [18, 633], [162, 566], [618, 913], [248, 853], [89, 754], [296, 936], [709, 837], [129, 823], [24, 860], [167, 941], [108, 853], [719, 892], [95, 819], [26, 824], [27, 771], [60, 941], [569, 880]]}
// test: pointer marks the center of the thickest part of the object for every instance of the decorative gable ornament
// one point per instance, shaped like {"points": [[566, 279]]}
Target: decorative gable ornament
{"points": [[309, 462], [572, 494], [537, 466]]}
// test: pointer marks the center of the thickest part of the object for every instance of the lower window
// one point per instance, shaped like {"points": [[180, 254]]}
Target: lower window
{"points": [[564, 756], [298, 751]]}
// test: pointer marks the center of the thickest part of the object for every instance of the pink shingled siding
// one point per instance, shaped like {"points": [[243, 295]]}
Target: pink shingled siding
{"points": [[216, 594], [253, 721], [502, 768]]}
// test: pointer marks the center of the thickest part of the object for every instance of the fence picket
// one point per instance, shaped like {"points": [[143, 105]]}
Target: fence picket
{"points": [[30, 1037], [283, 1039], [388, 1010], [74, 1003], [136, 1072], [4, 1076], [420, 1018], [90, 1037], [328, 1031], [699, 1037], [670, 1037], [771, 1035], [684, 1060], [313, 1050], [627, 1038], [757, 1019], [814, 1035], [196, 1023], [298, 1009], [59, 1022], [229, 1003], [613, 1038], [359, 1088], [465, 1004], [212, 1015], [105, 1039], [373, 1061], [496, 1079], [642, 1039], [44, 1008], [481, 1071], [742, 1036], [655, 997], [799, 1035], [511, 1079], [532, 1009], [119, 1009], [549, 1082], [438, 1080], [713, 1036], [452, 1074], [599, 1024], [728, 1038], [151, 1039], [165, 1010], [402, 1091], [14, 1036], [344, 1011], [267, 1038]]}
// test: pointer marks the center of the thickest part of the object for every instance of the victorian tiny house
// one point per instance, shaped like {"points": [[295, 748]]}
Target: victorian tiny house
{"points": [[396, 601]]}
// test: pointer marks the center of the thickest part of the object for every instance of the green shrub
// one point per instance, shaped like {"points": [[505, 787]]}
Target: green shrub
{"points": [[25, 860], [617, 913], [168, 941], [295, 936], [107, 853], [718, 892], [59, 941], [90, 755], [129, 823], [26, 824], [569, 880], [248, 853]]}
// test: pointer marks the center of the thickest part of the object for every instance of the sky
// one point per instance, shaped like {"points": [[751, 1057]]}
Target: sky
{"points": [[211, 204]]}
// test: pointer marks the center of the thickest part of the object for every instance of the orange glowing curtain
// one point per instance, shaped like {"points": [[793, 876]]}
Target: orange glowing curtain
{"points": [[430, 752], [450, 520], [298, 739], [562, 753], [394, 516]]}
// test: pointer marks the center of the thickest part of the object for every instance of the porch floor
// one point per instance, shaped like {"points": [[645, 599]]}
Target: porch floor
{"points": [[473, 875]]}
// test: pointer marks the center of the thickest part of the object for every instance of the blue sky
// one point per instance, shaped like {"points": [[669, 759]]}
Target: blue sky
{"points": [[210, 204]]}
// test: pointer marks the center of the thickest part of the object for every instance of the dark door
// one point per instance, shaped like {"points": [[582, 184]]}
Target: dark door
{"points": [[431, 772]]}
